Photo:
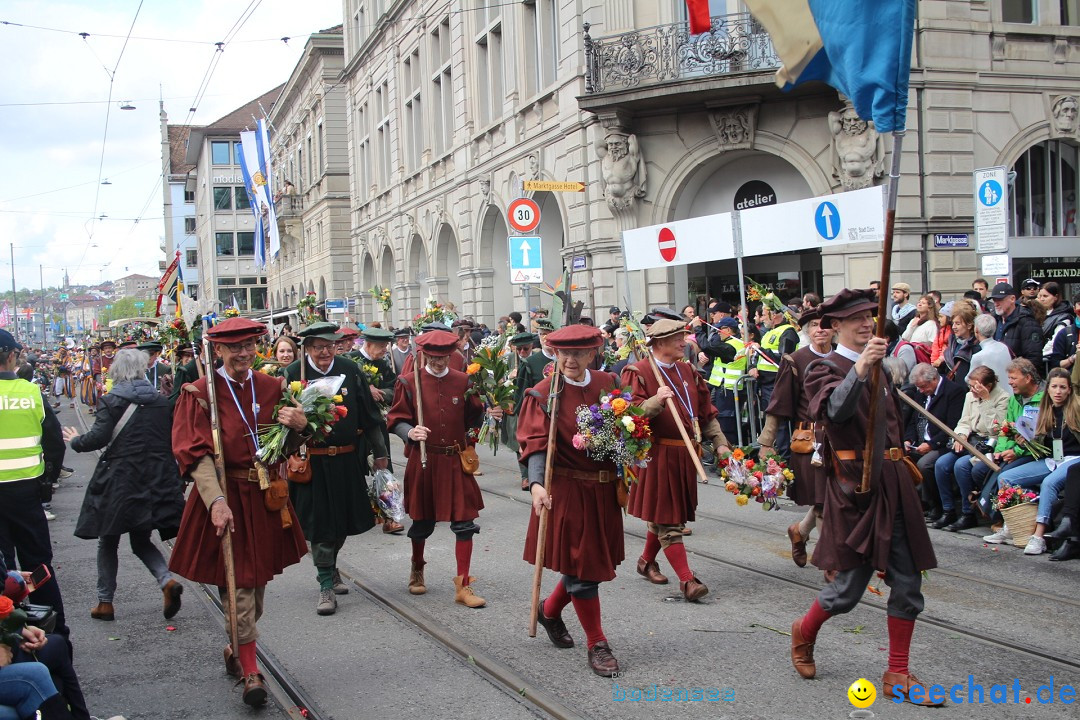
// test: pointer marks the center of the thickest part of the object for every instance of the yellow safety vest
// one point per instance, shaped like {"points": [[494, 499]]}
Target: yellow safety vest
{"points": [[771, 342], [22, 411], [727, 374]]}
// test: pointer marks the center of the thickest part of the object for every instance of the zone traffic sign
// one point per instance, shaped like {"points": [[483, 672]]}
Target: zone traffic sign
{"points": [[523, 215]]}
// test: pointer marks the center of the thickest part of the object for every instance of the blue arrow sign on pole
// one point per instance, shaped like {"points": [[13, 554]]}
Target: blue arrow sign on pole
{"points": [[827, 220], [526, 260]]}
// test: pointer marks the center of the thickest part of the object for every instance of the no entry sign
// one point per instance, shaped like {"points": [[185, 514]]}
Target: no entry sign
{"points": [[667, 244], [523, 215]]}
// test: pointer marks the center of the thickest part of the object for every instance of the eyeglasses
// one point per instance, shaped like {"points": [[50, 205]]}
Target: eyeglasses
{"points": [[241, 346], [321, 348], [576, 354]]}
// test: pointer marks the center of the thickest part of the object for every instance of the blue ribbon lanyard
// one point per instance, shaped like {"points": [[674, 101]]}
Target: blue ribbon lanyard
{"points": [[254, 409]]}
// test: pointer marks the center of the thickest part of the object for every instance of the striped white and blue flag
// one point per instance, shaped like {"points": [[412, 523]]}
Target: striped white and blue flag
{"points": [[255, 166], [860, 47]]}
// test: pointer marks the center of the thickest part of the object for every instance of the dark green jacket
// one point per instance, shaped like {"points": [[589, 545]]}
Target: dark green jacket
{"points": [[363, 413]]}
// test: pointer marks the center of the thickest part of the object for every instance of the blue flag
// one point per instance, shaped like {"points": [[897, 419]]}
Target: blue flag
{"points": [[860, 47]]}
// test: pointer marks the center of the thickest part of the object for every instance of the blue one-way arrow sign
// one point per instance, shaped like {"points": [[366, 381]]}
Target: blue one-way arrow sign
{"points": [[526, 260]]}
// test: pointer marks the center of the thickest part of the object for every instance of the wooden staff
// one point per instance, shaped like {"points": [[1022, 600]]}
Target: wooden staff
{"points": [[420, 403], [549, 464], [994, 467], [678, 420], [219, 467], [862, 493]]}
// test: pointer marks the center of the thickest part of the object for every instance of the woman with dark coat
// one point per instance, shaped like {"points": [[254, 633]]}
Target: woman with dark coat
{"points": [[135, 488]]}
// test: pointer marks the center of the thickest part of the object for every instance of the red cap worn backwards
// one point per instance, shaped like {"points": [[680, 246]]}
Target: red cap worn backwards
{"points": [[235, 330], [575, 337], [437, 343]]}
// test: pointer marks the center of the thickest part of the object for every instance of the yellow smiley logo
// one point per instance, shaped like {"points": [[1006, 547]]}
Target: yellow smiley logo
{"points": [[862, 693]]}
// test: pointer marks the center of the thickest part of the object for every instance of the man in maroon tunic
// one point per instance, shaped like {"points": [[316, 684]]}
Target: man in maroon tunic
{"points": [[584, 539], [885, 532], [442, 491], [665, 494], [262, 547], [790, 403]]}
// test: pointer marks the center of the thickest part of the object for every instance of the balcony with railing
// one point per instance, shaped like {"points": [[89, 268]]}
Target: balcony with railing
{"points": [[665, 60]]}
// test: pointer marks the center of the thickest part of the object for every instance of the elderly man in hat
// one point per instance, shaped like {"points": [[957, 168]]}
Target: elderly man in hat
{"points": [[262, 546], [159, 374], [439, 490], [584, 539], [665, 495], [1017, 328], [335, 504], [401, 349], [863, 533], [457, 359], [524, 378]]}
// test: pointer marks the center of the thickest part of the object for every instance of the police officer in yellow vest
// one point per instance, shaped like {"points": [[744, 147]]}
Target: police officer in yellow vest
{"points": [[31, 452], [727, 368], [782, 339]]}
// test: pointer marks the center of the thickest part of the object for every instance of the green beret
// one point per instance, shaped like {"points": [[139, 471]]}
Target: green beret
{"points": [[150, 346], [544, 325], [523, 338], [322, 331], [377, 334]]}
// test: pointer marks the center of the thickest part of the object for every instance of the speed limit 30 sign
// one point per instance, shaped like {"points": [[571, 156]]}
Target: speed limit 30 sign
{"points": [[523, 215]]}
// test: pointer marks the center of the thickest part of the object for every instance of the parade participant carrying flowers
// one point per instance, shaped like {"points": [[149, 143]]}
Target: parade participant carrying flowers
{"points": [[665, 495]]}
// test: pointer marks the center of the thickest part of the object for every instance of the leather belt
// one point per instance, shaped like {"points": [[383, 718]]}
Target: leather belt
{"points": [[443, 449], [248, 475], [894, 454], [600, 476], [332, 450], [672, 442]]}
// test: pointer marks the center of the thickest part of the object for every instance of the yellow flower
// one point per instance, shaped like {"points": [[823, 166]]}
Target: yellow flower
{"points": [[338, 399], [473, 368], [741, 499], [295, 386], [619, 406], [788, 474]]}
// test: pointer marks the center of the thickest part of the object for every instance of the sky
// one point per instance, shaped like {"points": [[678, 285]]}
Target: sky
{"points": [[54, 107]]}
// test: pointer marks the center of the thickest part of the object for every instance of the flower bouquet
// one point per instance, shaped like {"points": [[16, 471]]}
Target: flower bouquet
{"points": [[381, 295], [615, 430], [760, 293], [388, 496], [747, 478], [1018, 507], [322, 405], [306, 308], [489, 378], [434, 312], [232, 312], [12, 622], [1010, 431], [174, 332]]}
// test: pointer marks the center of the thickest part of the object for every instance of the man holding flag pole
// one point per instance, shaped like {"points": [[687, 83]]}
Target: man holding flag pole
{"points": [[864, 51]]}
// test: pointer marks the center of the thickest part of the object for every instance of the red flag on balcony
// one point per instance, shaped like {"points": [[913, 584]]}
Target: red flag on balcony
{"points": [[699, 16]]}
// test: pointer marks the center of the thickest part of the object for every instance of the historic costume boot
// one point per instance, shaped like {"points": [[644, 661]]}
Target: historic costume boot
{"points": [[232, 663], [693, 589], [602, 662], [389, 527], [465, 595], [171, 594], [904, 681], [555, 627], [254, 690], [1064, 530], [651, 572], [340, 588], [327, 604], [798, 545], [802, 652], [1069, 550], [416, 580], [103, 611]]}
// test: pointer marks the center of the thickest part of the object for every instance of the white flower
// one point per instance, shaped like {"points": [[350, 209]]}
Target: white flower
{"points": [[628, 422]]}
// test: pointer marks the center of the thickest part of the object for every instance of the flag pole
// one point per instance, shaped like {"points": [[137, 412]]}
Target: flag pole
{"points": [[869, 459]]}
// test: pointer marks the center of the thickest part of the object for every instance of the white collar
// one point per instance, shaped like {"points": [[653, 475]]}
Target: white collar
{"points": [[847, 352], [444, 373], [824, 354], [222, 373], [366, 356], [315, 367], [661, 363], [545, 353], [583, 383]]}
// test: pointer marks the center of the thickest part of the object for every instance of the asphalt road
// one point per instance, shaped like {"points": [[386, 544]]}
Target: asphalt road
{"points": [[991, 613]]}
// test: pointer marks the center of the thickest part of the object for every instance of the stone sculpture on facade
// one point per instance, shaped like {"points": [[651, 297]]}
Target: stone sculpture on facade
{"points": [[858, 149], [1064, 111], [622, 166], [734, 126]]}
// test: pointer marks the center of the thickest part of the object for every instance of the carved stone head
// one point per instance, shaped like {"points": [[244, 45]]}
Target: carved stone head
{"points": [[1065, 111]]}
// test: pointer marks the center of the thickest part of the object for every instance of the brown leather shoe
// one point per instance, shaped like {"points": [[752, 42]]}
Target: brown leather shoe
{"points": [[103, 611], [416, 580], [798, 545], [254, 690], [392, 528], [651, 572], [232, 663], [171, 593], [892, 680], [464, 594], [602, 662], [693, 589], [555, 627], [687, 532], [802, 652]]}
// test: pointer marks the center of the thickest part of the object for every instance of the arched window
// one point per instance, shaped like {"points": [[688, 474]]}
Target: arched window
{"points": [[1042, 201]]}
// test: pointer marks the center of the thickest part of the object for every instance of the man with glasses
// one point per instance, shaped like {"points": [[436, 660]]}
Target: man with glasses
{"points": [[262, 546], [335, 504]]}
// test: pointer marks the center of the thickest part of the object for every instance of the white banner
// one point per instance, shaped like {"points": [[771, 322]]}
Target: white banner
{"points": [[679, 243], [849, 217]]}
